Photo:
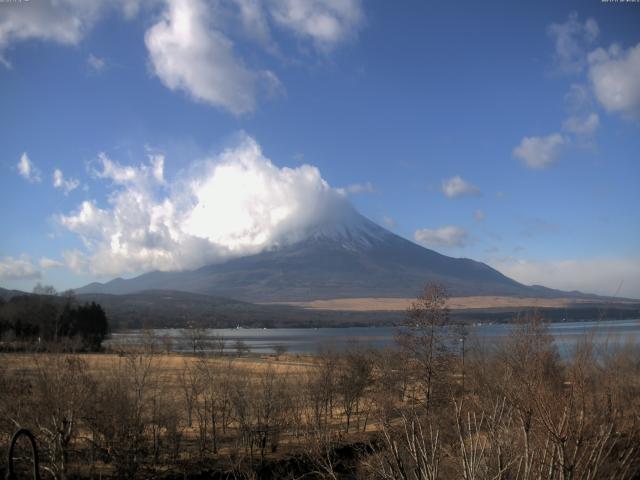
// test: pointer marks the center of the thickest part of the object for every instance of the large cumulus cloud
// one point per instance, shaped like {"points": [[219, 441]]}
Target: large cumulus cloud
{"points": [[232, 204]]}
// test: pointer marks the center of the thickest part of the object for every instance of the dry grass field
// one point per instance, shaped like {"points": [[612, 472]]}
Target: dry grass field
{"points": [[454, 303], [169, 364]]}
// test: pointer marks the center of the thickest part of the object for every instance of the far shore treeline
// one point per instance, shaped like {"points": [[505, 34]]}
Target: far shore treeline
{"points": [[48, 319]]}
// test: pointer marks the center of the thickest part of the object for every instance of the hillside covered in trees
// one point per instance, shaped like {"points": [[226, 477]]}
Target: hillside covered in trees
{"points": [[46, 319]]}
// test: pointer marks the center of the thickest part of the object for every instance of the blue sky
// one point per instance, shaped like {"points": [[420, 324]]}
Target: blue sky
{"points": [[500, 131]]}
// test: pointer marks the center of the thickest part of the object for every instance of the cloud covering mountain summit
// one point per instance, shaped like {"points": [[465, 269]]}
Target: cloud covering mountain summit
{"points": [[233, 204]]}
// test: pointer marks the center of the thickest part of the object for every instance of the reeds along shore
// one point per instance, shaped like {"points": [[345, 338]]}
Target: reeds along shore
{"points": [[512, 410]]}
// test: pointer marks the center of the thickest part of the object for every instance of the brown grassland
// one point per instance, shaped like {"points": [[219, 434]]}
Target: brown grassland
{"points": [[454, 303], [432, 408]]}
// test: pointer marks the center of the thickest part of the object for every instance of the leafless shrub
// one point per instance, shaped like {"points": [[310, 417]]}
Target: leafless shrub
{"points": [[61, 392], [409, 451], [121, 416]]}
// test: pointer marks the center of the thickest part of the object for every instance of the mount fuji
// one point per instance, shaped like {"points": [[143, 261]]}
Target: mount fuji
{"points": [[345, 255]]}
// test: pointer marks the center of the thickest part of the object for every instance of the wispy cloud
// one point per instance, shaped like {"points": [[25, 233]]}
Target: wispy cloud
{"points": [[540, 152], [28, 170], [96, 64], [357, 188], [571, 39], [47, 263], [539, 226], [191, 46], [327, 23], [108, 169], [18, 269], [582, 121], [191, 43], [389, 222], [65, 22], [446, 236], [67, 185], [585, 125], [604, 276], [458, 187]]}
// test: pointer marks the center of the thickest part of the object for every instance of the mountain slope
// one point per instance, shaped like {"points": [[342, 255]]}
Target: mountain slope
{"points": [[345, 256]]}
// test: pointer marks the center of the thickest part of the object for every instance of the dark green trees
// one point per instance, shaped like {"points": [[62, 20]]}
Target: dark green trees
{"points": [[87, 322], [51, 319]]}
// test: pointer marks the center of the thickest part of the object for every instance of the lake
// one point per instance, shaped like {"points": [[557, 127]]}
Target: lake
{"points": [[311, 340]]}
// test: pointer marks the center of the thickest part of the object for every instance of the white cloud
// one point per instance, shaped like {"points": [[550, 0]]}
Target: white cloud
{"points": [[582, 125], [540, 152], [600, 275], [47, 263], [191, 42], [458, 187], [18, 269], [614, 75], [96, 64], [28, 170], [65, 184], [578, 99], [188, 53], [76, 260], [254, 21], [389, 222], [479, 215], [326, 22], [447, 236], [127, 174], [233, 204], [571, 39], [356, 188], [61, 21], [582, 122]]}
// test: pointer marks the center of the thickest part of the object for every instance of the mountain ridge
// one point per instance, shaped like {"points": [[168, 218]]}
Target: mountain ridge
{"points": [[344, 256]]}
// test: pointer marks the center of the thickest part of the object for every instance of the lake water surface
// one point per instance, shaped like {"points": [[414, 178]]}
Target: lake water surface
{"points": [[311, 340]]}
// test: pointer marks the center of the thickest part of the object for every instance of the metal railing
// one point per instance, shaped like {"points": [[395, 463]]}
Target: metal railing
{"points": [[11, 474]]}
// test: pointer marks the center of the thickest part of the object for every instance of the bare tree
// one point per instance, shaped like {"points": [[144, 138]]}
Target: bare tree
{"points": [[188, 380], [280, 350], [354, 376], [40, 289], [241, 347], [321, 386], [214, 379], [194, 336], [216, 343], [423, 337]]}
